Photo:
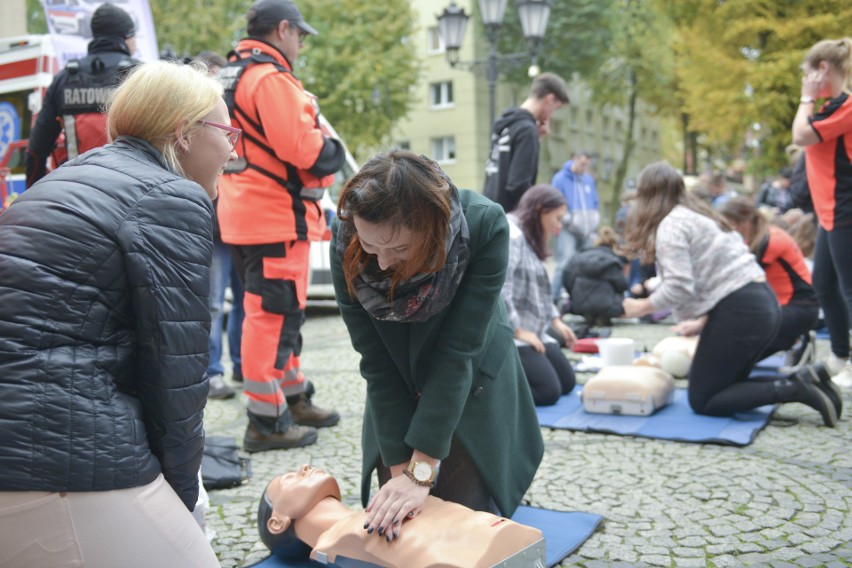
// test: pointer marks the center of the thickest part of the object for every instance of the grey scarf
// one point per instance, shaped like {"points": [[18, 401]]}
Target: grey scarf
{"points": [[425, 294]]}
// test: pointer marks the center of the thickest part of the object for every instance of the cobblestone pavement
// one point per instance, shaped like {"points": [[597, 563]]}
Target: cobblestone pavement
{"points": [[784, 501]]}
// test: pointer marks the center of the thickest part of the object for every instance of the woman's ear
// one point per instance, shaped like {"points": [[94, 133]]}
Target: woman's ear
{"points": [[181, 138], [277, 525]]}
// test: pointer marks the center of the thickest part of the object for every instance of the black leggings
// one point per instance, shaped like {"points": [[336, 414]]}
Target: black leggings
{"points": [[796, 321], [549, 374], [458, 481], [738, 331], [833, 284]]}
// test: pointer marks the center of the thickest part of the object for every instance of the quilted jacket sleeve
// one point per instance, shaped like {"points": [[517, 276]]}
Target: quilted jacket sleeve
{"points": [[167, 243]]}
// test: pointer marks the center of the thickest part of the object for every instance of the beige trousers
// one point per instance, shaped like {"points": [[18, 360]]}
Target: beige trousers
{"points": [[140, 527]]}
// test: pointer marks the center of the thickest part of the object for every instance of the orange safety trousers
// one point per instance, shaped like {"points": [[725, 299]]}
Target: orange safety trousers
{"points": [[275, 277]]}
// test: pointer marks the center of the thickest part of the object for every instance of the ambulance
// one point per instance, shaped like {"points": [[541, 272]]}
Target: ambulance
{"points": [[27, 67]]}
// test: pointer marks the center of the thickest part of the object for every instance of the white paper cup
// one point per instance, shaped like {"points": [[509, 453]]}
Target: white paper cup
{"points": [[616, 351]]}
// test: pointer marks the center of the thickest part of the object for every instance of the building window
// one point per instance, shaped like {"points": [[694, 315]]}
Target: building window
{"points": [[404, 145], [435, 42], [444, 149], [605, 127], [441, 94], [575, 121], [590, 121]]}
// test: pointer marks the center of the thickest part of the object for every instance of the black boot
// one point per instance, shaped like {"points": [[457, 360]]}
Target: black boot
{"points": [[819, 375], [799, 387]]}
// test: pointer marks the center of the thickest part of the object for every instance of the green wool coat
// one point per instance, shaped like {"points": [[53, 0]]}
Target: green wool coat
{"points": [[464, 365]]}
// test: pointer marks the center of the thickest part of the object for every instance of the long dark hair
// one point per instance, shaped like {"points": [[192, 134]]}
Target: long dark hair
{"points": [[740, 209], [401, 189], [659, 190], [536, 200]]}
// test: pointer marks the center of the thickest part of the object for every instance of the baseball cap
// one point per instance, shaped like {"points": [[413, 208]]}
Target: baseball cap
{"points": [[110, 20], [274, 11]]}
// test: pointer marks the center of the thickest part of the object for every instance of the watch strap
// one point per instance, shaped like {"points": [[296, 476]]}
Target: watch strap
{"points": [[410, 476]]}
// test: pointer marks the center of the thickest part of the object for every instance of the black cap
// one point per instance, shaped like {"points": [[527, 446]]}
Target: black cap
{"points": [[110, 20], [274, 11]]}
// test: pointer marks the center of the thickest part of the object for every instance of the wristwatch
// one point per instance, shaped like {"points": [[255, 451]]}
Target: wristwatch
{"points": [[421, 473]]}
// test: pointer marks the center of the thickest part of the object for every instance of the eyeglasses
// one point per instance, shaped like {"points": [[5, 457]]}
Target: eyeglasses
{"points": [[233, 134]]}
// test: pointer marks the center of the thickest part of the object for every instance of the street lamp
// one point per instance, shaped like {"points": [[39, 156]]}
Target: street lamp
{"points": [[453, 21]]}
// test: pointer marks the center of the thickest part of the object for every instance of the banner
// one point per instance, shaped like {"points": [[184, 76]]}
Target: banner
{"points": [[70, 26]]}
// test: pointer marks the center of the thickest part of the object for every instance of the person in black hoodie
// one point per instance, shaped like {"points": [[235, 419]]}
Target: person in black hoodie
{"points": [[69, 105], [104, 321], [513, 164], [595, 280]]}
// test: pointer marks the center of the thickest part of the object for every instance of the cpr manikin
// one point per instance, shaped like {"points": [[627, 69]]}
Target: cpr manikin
{"points": [[300, 513]]}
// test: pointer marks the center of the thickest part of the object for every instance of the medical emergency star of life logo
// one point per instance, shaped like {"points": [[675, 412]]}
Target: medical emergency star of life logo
{"points": [[10, 126]]}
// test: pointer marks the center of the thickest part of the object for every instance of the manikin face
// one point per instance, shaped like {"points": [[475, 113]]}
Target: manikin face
{"points": [[294, 494], [389, 245], [551, 221], [204, 153]]}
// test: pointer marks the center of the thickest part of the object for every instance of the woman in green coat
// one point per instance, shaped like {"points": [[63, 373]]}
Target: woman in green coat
{"points": [[417, 268]]}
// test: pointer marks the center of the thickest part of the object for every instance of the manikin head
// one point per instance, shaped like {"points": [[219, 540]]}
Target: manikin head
{"points": [[287, 498]]}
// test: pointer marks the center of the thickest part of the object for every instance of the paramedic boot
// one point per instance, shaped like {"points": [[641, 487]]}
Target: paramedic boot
{"points": [[294, 437], [799, 387], [307, 414]]}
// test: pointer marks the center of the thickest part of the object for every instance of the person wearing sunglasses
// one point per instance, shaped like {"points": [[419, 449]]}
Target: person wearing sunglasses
{"points": [[104, 323], [269, 213]]}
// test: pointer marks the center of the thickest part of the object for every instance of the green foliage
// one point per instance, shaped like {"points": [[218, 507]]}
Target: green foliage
{"points": [[576, 40], [738, 65], [192, 26], [362, 66], [36, 22]]}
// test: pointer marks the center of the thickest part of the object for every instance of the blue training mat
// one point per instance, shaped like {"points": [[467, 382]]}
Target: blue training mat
{"points": [[563, 532], [675, 422]]}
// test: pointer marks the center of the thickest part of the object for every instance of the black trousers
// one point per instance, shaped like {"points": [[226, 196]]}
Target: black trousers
{"points": [[833, 284], [796, 320], [738, 331], [549, 374]]}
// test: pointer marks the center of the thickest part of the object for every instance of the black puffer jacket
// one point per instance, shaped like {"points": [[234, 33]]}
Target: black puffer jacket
{"points": [[595, 281], [104, 321]]}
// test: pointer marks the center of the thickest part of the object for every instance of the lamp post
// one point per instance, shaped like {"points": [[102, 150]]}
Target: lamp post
{"points": [[453, 22]]}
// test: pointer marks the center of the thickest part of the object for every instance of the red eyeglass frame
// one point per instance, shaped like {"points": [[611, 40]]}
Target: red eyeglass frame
{"points": [[234, 134]]}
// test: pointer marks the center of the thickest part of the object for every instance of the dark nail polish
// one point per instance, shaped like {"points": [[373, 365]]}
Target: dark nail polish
{"points": [[381, 531], [367, 524], [370, 530], [388, 537], [396, 534], [396, 521]]}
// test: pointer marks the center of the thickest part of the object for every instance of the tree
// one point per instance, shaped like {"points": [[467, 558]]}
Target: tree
{"points": [[362, 67], [576, 40], [738, 65], [640, 67]]}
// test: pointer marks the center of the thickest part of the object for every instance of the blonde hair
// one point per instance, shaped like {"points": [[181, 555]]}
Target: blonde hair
{"points": [[837, 53], [158, 97]]}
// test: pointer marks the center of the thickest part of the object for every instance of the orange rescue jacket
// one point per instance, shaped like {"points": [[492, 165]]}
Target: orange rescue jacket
{"points": [[281, 137]]}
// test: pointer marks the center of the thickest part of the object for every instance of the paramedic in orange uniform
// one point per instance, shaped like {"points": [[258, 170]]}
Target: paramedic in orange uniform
{"points": [[269, 212], [826, 135]]}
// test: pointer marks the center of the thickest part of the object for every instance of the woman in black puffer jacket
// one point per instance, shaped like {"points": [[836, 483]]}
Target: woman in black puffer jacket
{"points": [[595, 280], [104, 323]]}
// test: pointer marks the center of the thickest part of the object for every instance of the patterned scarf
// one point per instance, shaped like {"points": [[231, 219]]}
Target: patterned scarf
{"points": [[423, 295]]}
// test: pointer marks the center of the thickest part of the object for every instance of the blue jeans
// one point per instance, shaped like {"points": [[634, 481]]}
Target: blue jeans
{"points": [[566, 246], [222, 274]]}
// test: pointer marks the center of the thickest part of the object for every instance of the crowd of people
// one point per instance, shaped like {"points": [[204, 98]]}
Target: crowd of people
{"points": [[114, 269]]}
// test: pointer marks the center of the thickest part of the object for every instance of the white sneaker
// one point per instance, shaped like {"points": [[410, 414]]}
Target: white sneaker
{"points": [[843, 379], [835, 364]]}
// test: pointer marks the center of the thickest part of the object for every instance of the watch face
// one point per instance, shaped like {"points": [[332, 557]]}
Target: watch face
{"points": [[422, 471]]}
